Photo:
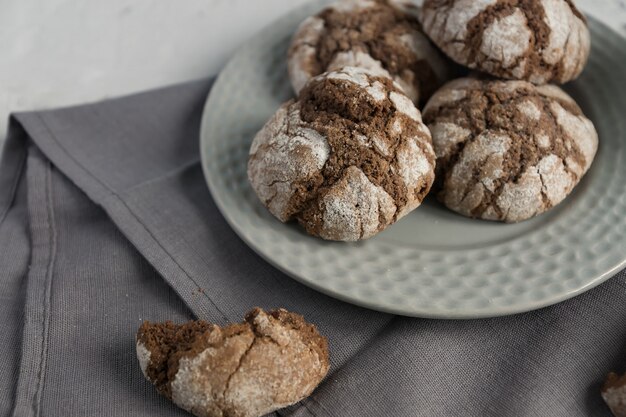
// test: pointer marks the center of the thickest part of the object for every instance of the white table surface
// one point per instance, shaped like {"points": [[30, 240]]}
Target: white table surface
{"points": [[61, 52]]}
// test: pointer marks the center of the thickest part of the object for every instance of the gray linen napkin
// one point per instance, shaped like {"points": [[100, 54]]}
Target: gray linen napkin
{"points": [[105, 220]]}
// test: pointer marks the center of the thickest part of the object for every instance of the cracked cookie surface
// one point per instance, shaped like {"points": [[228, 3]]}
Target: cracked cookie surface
{"points": [[346, 160], [507, 150], [269, 361], [382, 36], [539, 41]]}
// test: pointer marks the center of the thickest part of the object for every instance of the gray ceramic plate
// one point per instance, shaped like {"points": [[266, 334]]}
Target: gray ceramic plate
{"points": [[433, 263]]}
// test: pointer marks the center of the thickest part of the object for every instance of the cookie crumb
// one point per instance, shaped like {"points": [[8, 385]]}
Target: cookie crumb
{"points": [[614, 394]]}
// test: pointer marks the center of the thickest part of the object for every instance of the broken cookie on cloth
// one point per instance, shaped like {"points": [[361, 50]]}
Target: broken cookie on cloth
{"points": [[270, 361]]}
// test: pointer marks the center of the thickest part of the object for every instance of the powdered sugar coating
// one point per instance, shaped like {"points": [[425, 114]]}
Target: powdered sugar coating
{"points": [[542, 140], [284, 152], [506, 39], [377, 91], [278, 369], [303, 48], [380, 145], [570, 40], [143, 355], [555, 92], [459, 15], [361, 76], [352, 5], [336, 193], [448, 23], [508, 150], [524, 199], [449, 136], [353, 208], [404, 105], [615, 398], [304, 60], [249, 369], [580, 130], [358, 59], [487, 153], [557, 182], [530, 110], [413, 165], [454, 91], [192, 397], [538, 41], [521, 200]]}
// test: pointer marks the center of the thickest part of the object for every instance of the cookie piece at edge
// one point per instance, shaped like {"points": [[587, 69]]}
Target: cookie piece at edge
{"points": [[614, 394]]}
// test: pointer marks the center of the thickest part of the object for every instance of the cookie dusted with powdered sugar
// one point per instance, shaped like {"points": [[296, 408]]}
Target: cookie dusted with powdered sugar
{"points": [[507, 150], [383, 36], [539, 41], [346, 160], [270, 361], [614, 394]]}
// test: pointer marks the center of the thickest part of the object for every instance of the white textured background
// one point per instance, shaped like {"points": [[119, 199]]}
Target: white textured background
{"points": [[60, 52]]}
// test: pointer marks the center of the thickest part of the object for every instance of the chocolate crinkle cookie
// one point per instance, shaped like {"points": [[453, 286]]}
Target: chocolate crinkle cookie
{"points": [[614, 394], [507, 150], [269, 361], [347, 159], [539, 41], [383, 36]]}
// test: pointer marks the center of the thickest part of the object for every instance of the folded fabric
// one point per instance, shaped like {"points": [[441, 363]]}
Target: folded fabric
{"points": [[106, 220]]}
